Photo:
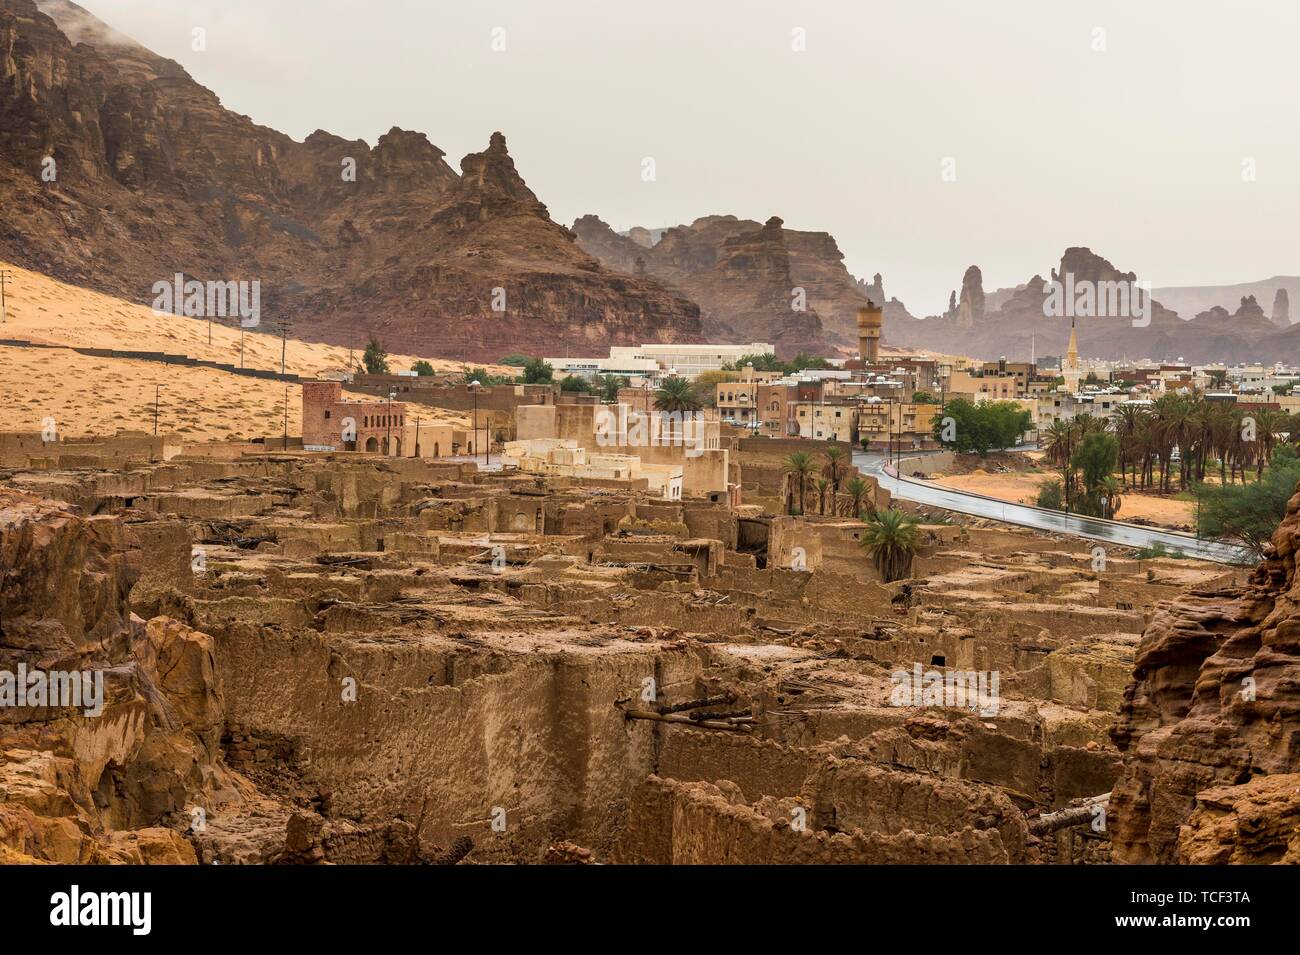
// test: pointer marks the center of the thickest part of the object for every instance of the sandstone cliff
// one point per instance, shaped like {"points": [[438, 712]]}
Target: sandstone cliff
{"points": [[754, 282], [150, 176], [1210, 723]]}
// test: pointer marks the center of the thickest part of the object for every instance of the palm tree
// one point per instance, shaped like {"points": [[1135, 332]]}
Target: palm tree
{"points": [[857, 490], [1109, 493], [1059, 446], [1268, 422], [1174, 429], [1130, 423], [836, 461], [823, 486], [1058, 438], [799, 466], [675, 396], [891, 539], [608, 386]]}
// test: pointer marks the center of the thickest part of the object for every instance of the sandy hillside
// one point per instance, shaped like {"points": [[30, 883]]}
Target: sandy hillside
{"points": [[87, 395], [1022, 488], [41, 309]]}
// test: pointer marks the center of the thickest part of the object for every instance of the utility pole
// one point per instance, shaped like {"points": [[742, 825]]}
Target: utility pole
{"points": [[416, 453], [474, 386], [4, 274], [284, 344], [388, 424]]}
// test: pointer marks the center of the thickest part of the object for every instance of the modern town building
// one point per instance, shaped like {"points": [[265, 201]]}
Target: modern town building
{"points": [[657, 361]]}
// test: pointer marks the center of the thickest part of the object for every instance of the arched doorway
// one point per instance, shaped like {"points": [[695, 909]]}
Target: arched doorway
{"points": [[397, 447], [372, 444], [435, 450]]}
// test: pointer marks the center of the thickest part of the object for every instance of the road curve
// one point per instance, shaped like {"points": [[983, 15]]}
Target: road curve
{"points": [[1024, 515]]}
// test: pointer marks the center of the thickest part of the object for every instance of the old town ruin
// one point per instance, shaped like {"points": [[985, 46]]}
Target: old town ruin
{"points": [[351, 657]]}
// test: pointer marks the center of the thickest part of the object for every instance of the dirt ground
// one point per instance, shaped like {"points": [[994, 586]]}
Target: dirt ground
{"points": [[1022, 488]]}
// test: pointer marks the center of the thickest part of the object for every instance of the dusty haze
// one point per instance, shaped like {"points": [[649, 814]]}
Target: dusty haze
{"points": [[1136, 150]]}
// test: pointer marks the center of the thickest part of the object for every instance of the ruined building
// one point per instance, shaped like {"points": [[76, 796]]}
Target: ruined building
{"points": [[324, 657]]}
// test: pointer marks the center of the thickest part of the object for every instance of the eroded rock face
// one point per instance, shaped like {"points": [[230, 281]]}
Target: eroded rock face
{"points": [[353, 239], [108, 780], [753, 281], [1213, 712]]}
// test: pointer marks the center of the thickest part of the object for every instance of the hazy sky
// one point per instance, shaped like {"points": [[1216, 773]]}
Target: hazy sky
{"points": [[1136, 150]]}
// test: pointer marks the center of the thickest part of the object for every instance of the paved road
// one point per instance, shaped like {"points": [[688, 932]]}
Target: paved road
{"points": [[1115, 532]]}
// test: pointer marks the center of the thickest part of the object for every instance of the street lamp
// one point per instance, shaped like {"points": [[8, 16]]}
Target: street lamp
{"points": [[753, 409]]}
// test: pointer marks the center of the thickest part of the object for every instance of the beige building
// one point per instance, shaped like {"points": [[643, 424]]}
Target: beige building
{"points": [[556, 456], [692, 442], [905, 425], [738, 401], [825, 421]]}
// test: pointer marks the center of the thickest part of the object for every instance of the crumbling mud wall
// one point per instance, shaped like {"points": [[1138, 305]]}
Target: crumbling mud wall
{"points": [[325, 658], [453, 730]]}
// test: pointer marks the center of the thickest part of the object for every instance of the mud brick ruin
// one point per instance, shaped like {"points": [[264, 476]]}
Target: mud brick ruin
{"points": [[352, 658]]}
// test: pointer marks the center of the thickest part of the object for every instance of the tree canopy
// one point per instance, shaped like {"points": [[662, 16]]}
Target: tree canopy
{"points": [[991, 426], [375, 358]]}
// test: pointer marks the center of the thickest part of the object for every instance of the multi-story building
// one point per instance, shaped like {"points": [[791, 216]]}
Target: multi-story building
{"points": [[738, 401], [777, 402], [989, 386], [898, 425], [1063, 406], [331, 422], [827, 421]]}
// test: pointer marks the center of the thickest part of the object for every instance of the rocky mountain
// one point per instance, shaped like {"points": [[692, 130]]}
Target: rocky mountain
{"points": [[753, 281], [1193, 299], [1024, 321], [118, 170], [1210, 722]]}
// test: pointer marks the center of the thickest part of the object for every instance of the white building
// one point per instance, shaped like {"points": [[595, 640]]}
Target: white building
{"points": [[656, 361]]}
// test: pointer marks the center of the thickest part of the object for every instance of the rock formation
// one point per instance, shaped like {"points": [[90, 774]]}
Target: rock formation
{"points": [[79, 786], [970, 307], [152, 176], [748, 278], [1209, 724], [1282, 309]]}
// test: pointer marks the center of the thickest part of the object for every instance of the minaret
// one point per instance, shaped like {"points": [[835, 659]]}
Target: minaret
{"points": [[870, 320], [1070, 371]]}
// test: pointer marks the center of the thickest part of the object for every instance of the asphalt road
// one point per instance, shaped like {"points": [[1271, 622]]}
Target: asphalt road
{"points": [[1115, 532]]}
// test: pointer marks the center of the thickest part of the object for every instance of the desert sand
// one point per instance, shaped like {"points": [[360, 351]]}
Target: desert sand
{"points": [[87, 395]]}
